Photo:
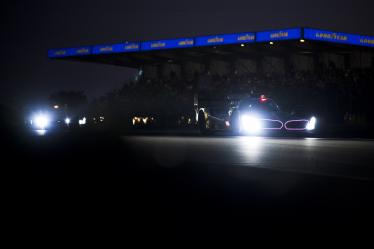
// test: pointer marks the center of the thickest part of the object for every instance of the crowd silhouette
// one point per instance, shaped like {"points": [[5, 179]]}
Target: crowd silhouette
{"points": [[337, 95]]}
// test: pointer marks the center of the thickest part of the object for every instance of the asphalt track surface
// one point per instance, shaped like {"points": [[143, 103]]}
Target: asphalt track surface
{"points": [[210, 185], [317, 156]]}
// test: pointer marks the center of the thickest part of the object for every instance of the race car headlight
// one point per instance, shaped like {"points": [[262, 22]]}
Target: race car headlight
{"points": [[311, 125], [67, 121], [41, 121], [250, 123], [82, 121]]}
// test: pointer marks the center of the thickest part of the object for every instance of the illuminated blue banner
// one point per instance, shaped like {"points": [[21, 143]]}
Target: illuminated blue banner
{"points": [[213, 40], [116, 48], [55, 53], [324, 35], [366, 41], [79, 51], [277, 35], [168, 44], [345, 38], [225, 39]]}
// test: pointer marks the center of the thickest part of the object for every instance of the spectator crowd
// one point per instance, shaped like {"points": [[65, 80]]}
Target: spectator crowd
{"points": [[340, 96]]}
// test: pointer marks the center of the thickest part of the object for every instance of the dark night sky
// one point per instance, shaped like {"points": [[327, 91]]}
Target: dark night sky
{"points": [[30, 28]]}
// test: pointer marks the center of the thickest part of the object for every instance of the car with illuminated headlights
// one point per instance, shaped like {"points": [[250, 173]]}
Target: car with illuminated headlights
{"points": [[48, 119], [252, 115]]}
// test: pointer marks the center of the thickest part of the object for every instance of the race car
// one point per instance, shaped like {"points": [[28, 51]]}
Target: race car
{"points": [[252, 115]]}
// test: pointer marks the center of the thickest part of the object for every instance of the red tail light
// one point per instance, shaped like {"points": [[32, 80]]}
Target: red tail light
{"points": [[263, 98]]}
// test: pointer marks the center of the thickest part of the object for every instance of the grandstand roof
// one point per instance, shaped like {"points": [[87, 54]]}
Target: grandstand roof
{"points": [[220, 46]]}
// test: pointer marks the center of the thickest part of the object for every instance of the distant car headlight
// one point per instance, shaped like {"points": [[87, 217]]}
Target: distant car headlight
{"points": [[82, 121], [311, 125], [250, 124], [41, 121], [67, 121]]}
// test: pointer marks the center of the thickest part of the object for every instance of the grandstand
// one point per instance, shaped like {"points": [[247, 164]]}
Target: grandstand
{"points": [[329, 72]]}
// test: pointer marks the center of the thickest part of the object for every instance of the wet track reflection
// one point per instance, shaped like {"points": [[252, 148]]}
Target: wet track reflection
{"points": [[331, 157]]}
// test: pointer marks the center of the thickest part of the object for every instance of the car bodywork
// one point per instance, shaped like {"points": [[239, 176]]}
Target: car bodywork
{"points": [[251, 115]]}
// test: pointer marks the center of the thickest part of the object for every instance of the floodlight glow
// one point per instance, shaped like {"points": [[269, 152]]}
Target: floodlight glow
{"points": [[67, 121], [250, 124], [311, 124], [41, 121]]}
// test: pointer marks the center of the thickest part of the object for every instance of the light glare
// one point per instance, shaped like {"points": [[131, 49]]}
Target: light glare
{"points": [[250, 124], [41, 121], [311, 124], [82, 121]]}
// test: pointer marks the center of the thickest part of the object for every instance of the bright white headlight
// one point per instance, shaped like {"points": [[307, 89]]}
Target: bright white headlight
{"points": [[82, 121], [311, 124], [67, 121], [41, 121], [250, 124]]}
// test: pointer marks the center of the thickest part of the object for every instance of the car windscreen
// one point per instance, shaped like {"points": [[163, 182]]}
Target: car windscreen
{"points": [[256, 104]]}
